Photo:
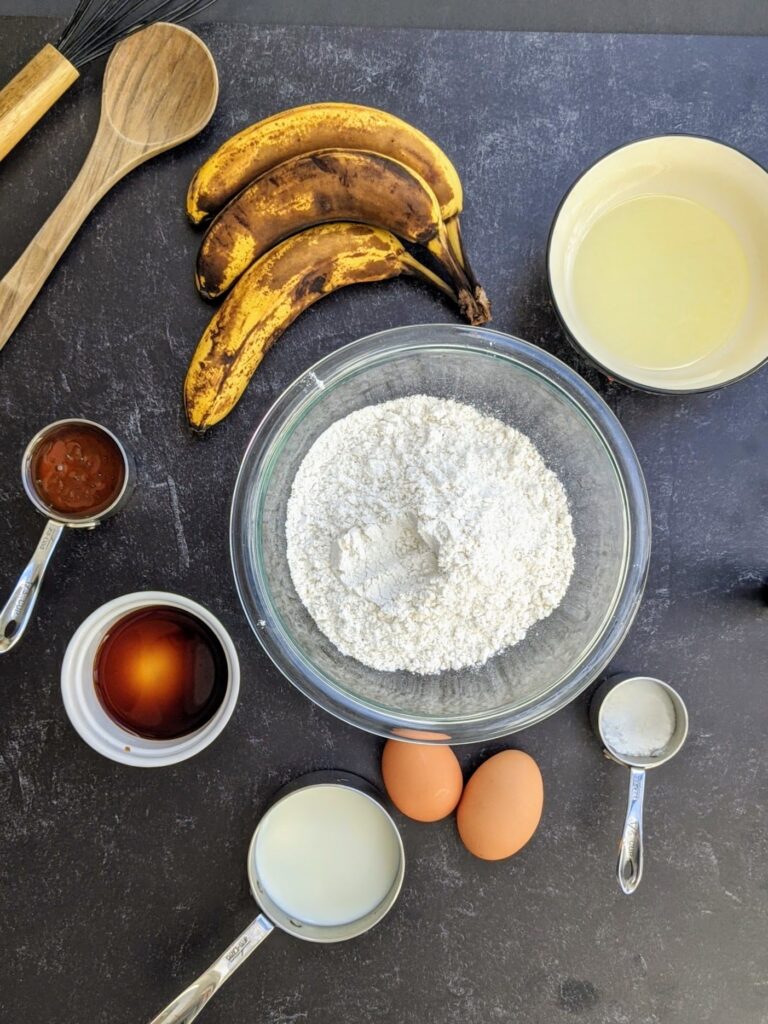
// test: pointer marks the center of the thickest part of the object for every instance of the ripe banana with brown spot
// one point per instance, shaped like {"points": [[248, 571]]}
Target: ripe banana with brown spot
{"points": [[272, 293], [321, 187], [301, 130]]}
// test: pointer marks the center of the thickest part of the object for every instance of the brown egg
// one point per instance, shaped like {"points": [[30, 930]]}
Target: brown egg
{"points": [[423, 781], [501, 806]]}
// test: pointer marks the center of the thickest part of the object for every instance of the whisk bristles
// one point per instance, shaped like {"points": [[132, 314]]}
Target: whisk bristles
{"points": [[97, 25]]}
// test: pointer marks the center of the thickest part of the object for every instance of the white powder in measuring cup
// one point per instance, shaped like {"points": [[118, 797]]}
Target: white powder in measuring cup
{"points": [[423, 535], [638, 718]]}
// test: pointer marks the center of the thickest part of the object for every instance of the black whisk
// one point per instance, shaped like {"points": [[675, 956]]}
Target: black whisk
{"points": [[94, 28], [97, 25]]}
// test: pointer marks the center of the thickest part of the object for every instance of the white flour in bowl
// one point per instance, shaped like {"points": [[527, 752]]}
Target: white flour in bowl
{"points": [[424, 536]]}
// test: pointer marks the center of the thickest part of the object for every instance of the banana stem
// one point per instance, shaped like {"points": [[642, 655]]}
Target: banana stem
{"points": [[412, 266], [456, 245], [453, 230], [474, 306]]}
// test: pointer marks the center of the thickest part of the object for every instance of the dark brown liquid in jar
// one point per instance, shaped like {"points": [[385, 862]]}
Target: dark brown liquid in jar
{"points": [[161, 673], [78, 470]]}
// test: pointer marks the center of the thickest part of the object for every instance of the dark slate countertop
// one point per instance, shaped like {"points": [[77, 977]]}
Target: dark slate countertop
{"points": [[117, 887]]}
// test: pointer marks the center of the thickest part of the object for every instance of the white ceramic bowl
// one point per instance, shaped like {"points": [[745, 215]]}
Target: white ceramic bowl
{"points": [[708, 172], [89, 717]]}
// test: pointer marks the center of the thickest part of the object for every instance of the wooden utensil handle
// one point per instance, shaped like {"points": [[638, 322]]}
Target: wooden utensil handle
{"points": [[29, 273], [31, 93]]}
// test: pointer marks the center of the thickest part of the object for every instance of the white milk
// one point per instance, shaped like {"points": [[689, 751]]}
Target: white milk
{"points": [[327, 855]]}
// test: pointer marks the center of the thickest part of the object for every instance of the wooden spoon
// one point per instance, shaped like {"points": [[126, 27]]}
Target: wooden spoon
{"points": [[160, 89]]}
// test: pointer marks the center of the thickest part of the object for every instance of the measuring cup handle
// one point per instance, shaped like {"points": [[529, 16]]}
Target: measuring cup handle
{"points": [[15, 616], [186, 1007], [630, 866]]}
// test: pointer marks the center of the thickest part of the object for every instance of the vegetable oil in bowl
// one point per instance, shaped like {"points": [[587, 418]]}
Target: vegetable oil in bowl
{"points": [[661, 281]]}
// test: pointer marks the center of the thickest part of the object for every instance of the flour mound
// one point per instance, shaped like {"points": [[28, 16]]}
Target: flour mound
{"points": [[425, 536]]}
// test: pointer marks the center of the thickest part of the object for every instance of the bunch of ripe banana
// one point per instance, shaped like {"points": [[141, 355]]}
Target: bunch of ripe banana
{"points": [[304, 203]]}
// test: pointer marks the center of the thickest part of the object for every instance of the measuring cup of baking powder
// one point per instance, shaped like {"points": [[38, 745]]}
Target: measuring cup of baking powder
{"points": [[326, 863], [642, 723], [77, 474]]}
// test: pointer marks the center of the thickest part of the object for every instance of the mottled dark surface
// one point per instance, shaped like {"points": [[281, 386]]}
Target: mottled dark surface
{"points": [[707, 16], [118, 886]]}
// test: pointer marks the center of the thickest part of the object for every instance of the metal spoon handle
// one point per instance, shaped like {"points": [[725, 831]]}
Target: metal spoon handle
{"points": [[630, 866], [15, 616], [186, 1007]]}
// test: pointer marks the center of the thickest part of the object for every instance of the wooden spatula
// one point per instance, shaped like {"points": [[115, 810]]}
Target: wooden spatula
{"points": [[160, 89]]}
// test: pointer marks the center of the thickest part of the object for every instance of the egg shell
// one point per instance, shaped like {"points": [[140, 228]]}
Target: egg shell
{"points": [[422, 781], [501, 806]]}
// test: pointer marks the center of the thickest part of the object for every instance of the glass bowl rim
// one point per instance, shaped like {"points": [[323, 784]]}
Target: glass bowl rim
{"points": [[290, 407]]}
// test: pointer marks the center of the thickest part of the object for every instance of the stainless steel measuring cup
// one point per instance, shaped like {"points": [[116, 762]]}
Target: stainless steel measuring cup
{"points": [[17, 611], [186, 1006], [629, 868]]}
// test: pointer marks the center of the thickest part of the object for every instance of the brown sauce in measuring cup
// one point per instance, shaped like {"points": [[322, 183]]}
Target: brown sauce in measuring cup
{"points": [[78, 470]]}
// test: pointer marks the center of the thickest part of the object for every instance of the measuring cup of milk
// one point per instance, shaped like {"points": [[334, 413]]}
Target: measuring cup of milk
{"points": [[326, 863], [642, 723]]}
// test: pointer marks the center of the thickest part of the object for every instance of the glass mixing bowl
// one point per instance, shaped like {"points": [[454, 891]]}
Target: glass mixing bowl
{"points": [[579, 438]]}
